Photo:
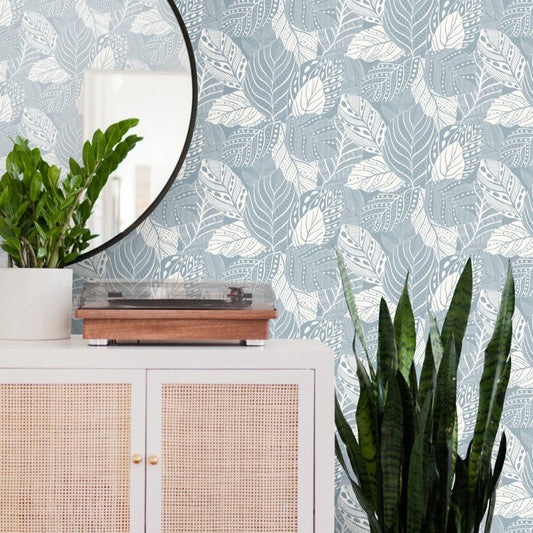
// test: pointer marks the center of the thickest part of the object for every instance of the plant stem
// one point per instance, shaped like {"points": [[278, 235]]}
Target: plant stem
{"points": [[54, 256]]}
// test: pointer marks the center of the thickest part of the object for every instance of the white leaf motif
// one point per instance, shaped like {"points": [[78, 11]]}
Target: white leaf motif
{"points": [[441, 239], [303, 175], [234, 109], [39, 129], [501, 57], [362, 122], [98, 22], [6, 111], [47, 70], [511, 240], [302, 44], [442, 109], [104, 60], [234, 240], [450, 164], [442, 295], [514, 500], [363, 254], [373, 175], [511, 109], [39, 33], [373, 44], [502, 188], [6, 14], [310, 99], [302, 304], [450, 33], [368, 303], [163, 239], [310, 229], [3, 71], [150, 23], [223, 188]]}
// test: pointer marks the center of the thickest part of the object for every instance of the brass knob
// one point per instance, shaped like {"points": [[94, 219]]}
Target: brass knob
{"points": [[137, 458], [153, 459]]}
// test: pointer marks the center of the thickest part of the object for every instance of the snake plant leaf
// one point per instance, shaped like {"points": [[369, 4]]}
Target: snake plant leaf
{"points": [[391, 451], [387, 362], [350, 441], [366, 417], [437, 345], [493, 385], [498, 466], [416, 485], [457, 316], [365, 504], [405, 333], [427, 376], [350, 303], [445, 415]]}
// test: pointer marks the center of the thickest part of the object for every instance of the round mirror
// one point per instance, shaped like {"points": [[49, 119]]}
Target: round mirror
{"points": [[156, 84]]}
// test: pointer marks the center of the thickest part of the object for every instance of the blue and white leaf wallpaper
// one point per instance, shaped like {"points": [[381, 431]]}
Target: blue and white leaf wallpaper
{"points": [[399, 131]]}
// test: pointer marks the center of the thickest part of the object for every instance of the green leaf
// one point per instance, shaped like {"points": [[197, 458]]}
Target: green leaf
{"points": [[99, 144], [89, 159], [457, 316], [386, 355], [493, 385], [418, 470], [404, 330], [445, 416], [35, 186], [391, 452]]}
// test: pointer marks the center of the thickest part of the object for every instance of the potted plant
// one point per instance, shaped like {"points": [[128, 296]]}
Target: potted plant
{"points": [[402, 462], [43, 220]]}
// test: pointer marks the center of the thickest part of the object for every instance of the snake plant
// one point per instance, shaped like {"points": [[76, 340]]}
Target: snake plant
{"points": [[402, 460]]}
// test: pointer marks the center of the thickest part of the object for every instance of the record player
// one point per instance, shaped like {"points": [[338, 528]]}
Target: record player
{"points": [[115, 311]]}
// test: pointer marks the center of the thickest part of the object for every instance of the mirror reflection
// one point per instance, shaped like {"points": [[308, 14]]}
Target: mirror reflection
{"points": [[157, 99]]}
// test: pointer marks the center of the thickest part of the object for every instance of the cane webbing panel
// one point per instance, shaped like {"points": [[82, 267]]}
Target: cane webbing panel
{"points": [[229, 458], [64, 458]]}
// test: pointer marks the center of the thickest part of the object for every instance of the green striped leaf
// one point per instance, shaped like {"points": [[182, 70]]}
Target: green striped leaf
{"points": [[387, 362], [445, 415], [391, 451], [416, 485], [405, 333], [366, 418], [457, 316], [427, 376], [437, 346], [350, 303], [493, 385]]}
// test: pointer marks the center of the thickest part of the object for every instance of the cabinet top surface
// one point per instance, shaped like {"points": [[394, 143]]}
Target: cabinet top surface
{"points": [[75, 353]]}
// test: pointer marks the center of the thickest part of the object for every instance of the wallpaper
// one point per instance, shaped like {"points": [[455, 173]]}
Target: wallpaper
{"points": [[399, 131]]}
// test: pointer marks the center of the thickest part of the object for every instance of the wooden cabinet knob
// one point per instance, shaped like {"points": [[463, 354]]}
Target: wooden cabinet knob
{"points": [[137, 458], [153, 459]]}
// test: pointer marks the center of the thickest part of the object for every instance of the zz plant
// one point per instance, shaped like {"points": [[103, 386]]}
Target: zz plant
{"points": [[402, 461], [43, 217]]}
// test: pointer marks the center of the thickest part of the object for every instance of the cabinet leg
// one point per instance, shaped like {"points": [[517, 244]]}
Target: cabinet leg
{"points": [[254, 342]]}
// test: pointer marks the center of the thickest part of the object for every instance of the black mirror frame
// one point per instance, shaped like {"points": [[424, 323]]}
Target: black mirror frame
{"points": [[179, 164]]}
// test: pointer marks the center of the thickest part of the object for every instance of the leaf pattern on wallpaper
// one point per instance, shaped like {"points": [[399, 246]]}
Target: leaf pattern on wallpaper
{"points": [[406, 145], [385, 81], [302, 44], [517, 19], [223, 58], [268, 79], [399, 131], [243, 18], [407, 21]]}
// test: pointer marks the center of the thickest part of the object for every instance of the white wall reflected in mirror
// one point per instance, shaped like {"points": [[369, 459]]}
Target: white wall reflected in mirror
{"points": [[162, 101]]}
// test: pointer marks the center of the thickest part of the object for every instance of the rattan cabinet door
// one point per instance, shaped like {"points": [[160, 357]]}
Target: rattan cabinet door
{"points": [[234, 451], [66, 442]]}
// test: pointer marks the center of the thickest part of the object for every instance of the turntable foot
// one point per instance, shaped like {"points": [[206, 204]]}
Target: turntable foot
{"points": [[98, 342], [254, 342]]}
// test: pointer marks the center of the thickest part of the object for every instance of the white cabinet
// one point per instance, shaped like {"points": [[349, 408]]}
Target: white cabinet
{"points": [[218, 439]]}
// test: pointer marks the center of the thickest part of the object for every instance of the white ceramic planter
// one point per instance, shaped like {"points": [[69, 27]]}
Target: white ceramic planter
{"points": [[35, 303]]}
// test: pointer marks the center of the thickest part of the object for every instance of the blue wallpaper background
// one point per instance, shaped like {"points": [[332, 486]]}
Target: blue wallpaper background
{"points": [[400, 131]]}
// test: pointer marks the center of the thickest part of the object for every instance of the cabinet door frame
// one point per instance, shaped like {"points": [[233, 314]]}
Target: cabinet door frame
{"points": [[304, 378], [137, 379]]}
